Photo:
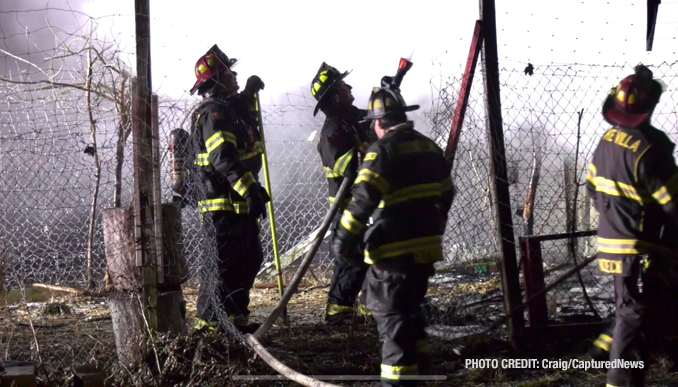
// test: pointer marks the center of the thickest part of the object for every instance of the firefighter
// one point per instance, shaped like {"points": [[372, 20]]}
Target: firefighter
{"points": [[404, 184], [228, 148], [633, 181], [342, 143]]}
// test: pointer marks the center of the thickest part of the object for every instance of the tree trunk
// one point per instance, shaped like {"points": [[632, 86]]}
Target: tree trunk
{"points": [[121, 253], [124, 303], [128, 326]]}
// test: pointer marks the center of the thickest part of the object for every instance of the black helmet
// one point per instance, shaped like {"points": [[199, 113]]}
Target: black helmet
{"points": [[323, 82], [386, 103]]}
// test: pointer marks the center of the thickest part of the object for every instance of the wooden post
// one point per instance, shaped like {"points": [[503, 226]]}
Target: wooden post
{"points": [[144, 229], [157, 198], [464, 92], [504, 223]]}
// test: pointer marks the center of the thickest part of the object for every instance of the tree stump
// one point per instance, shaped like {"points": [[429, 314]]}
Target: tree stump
{"points": [[124, 302], [121, 249], [128, 326]]}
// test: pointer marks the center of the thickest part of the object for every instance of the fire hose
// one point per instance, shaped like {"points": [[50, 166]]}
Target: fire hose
{"points": [[253, 339]]}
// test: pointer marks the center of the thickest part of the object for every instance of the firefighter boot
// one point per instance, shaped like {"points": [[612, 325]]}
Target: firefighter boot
{"points": [[202, 327], [338, 314], [243, 324]]}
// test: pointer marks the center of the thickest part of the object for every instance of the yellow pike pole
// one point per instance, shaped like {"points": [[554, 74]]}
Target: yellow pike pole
{"points": [[271, 214]]}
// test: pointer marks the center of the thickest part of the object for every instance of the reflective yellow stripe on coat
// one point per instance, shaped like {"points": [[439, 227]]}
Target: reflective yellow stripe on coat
{"points": [[425, 250], [223, 204]]}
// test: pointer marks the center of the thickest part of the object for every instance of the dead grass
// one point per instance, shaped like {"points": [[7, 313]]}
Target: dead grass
{"points": [[70, 332]]}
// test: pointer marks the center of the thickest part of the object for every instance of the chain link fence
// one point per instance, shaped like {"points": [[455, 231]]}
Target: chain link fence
{"points": [[551, 119]]}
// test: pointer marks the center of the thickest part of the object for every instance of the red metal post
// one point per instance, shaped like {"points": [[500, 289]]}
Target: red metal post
{"points": [[464, 92], [533, 276]]}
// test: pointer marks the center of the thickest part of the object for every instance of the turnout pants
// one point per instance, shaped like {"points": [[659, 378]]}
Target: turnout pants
{"points": [[239, 259], [644, 315], [395, 293], [347, 281]]}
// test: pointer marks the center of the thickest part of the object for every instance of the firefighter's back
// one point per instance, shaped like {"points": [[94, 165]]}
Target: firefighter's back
{"points": [[631, 217], [409, 215]]}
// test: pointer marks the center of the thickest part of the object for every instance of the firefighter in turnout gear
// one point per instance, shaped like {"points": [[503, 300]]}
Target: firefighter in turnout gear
{"points": [[342, 144], [633, 181], [228, 151], [404, 184]]}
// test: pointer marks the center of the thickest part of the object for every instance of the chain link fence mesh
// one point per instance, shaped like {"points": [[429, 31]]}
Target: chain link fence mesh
{"points": [[61, 147]]}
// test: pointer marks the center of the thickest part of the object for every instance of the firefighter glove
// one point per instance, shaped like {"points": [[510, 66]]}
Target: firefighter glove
{"points": [[344, 245], [264, 194], [256, 205], [254, 85]]}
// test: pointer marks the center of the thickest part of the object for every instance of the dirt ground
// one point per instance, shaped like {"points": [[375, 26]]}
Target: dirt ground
{"points": [[72, 330]]}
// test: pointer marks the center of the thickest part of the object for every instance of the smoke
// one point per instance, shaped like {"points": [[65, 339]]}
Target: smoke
{"points": [[30, 30]]}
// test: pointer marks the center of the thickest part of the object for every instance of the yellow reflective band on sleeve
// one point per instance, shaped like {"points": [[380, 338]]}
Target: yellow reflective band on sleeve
{"points": [[615, 188], [334, 309], [418, 191], [417, 147], [398, 372], [258, 149], [202, 159], [667, 192], [330, 174], [371, 156], [591, 176], [343, 162], [343, 205], [243, 184], [219, 138], [223, 204], [373, 179], [446, 184], [351, 224], [425, 250]]}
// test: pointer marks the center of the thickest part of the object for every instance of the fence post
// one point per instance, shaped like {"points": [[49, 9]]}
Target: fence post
{"points": [[464, 93], [510, 277], [157, 198], [533, 276], [143, 165]]}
